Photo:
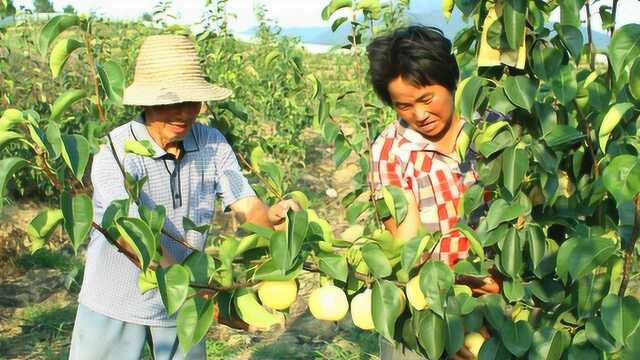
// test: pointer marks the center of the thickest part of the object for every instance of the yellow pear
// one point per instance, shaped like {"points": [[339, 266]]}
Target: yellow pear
{"points": [[278, 295], [361, 312], [328, 303], [414, 294], [473, 341]]}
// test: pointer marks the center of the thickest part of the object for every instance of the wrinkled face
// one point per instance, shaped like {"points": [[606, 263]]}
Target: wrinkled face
{"points": [[427, 109], [172, 122]]}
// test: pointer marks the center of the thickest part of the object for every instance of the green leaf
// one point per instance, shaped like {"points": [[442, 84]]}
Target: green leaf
{"points": [[563, 135], [471, 199], [64, 101], [537, 244], [75, 152], [8, 167], [269, 271], [571, 38], [189, 225], [517, 337], [333, 265], [513, 289], [343, 149], [6, 137], [112, 79], [548, 290], [610, 121], [455, 333], [139, 236], [467, 95], [622, 177], [234, 108], [520, 90], [493, 349], [262, 231], [298, 223], [279, 249], [498, 99], [580, 348], [624, 47], [634, 79], [545, 61], [11, 118], [436, 279], [412, 250], [55, 140], [474, 242], [432, 334], [154, 218], [376, 260], [494, 310], [501, 212], [300, 198], [591, 290], [587, 254], [515, 163], [173, 283], [620, 316], [193, 321], [53, 28], [564, 84], [513, 16], [548, 344], [386, 307], [42, 226], [139, 147], [200, 265], [396, 201], [60, 54], [339, 21], [78, 217], [511, 255], [599, 336], [334, 6], [569, 13]]}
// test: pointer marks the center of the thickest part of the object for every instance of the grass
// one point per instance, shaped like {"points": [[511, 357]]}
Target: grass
{"points": [[46, 332], [47, 259]]}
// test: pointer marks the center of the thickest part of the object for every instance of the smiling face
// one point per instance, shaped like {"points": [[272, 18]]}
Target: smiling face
{"points": [[428, 109], [171, 123]]}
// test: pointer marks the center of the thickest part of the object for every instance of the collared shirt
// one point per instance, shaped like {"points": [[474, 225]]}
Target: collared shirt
{"points": [[404, 158], [185, 187]]}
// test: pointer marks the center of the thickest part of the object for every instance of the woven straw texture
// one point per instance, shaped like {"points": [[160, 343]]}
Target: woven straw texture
{"points": [[168, 72]]}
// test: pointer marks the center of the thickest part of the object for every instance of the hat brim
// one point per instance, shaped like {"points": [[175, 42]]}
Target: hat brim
{"points": [[150, 95]]}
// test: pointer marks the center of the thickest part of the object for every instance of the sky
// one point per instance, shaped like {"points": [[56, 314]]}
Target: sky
{"points": [[287, 13]]}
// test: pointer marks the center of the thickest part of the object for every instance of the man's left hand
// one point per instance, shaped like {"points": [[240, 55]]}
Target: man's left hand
{"points": [[277, 214]]}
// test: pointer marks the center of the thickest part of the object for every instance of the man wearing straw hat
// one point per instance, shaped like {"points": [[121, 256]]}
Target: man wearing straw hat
{"points": [[192, 164]]}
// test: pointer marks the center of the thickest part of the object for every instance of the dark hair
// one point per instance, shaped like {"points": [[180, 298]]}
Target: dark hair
{"points": [[420, 54]]}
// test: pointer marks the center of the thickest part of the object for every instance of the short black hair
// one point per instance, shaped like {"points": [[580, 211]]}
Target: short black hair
{"points": [[420, 54]]}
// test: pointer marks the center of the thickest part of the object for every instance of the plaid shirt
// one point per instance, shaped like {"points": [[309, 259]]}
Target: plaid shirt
{"points": [[402, 157]]}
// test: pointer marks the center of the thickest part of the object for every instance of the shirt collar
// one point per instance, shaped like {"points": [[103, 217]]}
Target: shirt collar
{"points": [[414, 141], [140, 132]]}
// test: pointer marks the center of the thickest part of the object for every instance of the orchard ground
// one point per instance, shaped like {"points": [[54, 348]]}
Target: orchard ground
{"points": [[37, 310]]}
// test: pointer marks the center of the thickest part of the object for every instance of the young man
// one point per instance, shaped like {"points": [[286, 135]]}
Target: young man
{"points": [[192, 165], [414, 71]]}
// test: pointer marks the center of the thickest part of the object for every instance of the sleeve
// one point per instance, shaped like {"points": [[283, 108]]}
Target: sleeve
{"points": [[108, 182], [387, 168], [231, 184]]}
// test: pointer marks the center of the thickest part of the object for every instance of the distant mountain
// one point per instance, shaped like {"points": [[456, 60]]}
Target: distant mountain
{"points": [[423, 12]]}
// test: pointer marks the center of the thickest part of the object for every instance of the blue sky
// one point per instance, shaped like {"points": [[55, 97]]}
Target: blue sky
{"points": [[288, 13]]}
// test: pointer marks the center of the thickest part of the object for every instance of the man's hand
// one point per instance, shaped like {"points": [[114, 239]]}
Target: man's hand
{"points": [[491, 284], [277, 214], [464, 353]]}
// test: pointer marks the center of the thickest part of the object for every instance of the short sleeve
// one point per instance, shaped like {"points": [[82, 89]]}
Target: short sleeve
{"points": [[231, 184], [387, 168]]}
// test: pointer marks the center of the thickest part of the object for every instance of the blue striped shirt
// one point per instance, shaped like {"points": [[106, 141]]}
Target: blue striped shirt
{"points": [[186, 187]]}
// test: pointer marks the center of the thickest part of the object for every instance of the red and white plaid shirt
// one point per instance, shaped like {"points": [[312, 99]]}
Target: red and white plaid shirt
{"points": [[402, 157]]}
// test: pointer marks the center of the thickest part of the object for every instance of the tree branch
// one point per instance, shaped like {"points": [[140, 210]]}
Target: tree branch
{"points": [[629, 249], [94, 75], [592, 64], [588, 142]]}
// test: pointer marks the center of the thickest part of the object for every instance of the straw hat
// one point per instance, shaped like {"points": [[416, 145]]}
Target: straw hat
{"points": [[168, 72]]}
